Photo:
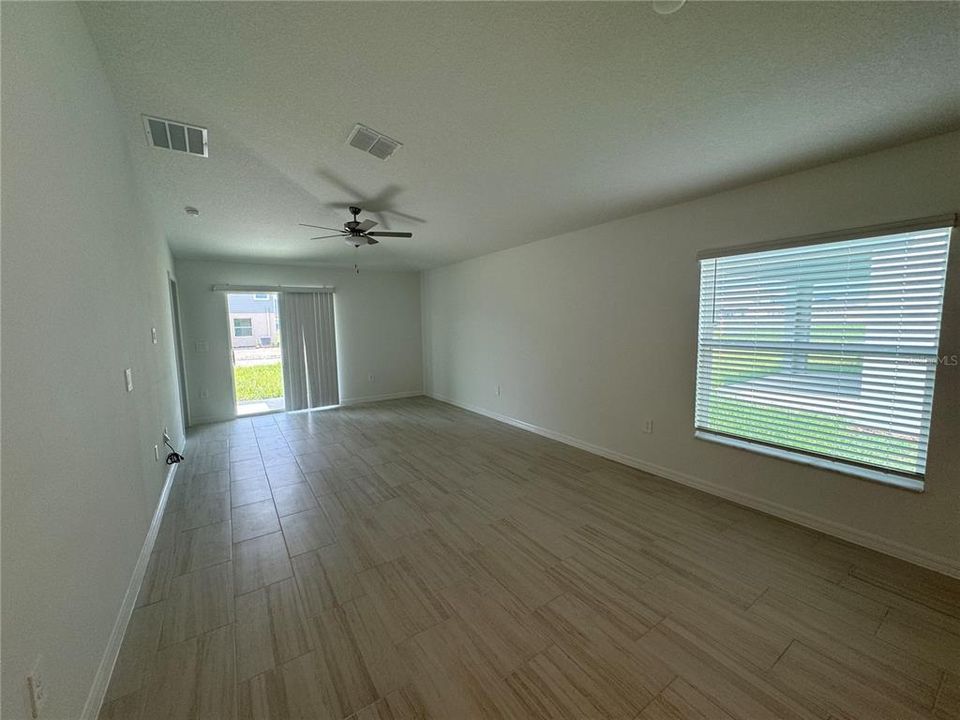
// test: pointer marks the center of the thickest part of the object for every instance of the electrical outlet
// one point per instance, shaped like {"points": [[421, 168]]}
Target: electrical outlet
{"points": [[153, 335], [156, 453], [371, 377], [201, 346], [648, 426], [166, 435], [204, 394], [37, 691]]}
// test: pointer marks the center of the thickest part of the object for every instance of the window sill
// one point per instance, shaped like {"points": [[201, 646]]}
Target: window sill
{"points": [[838, 466]]}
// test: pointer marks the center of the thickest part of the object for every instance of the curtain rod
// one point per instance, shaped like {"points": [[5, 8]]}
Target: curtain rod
{"points": [[274, 288]]}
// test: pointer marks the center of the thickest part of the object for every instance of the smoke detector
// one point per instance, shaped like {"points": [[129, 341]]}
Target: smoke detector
{"points": [[175, 135], [373, 142]]}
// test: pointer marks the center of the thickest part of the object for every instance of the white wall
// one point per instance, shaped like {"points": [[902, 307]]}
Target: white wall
{"points": [[591, 332], [378, 329], [83, 281]]}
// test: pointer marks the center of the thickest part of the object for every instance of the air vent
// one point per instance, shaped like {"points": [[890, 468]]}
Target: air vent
{"points": [[174, 135], [377, 144]]}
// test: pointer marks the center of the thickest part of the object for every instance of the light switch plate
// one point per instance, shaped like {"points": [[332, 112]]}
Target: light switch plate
{"points": [[128, 377], [153, 335]]}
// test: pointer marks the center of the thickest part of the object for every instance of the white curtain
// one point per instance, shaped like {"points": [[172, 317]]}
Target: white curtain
{"points": [[309, 348]]}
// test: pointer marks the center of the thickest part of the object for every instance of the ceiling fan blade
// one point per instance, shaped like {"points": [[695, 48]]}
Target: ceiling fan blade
{"points": [[324, 237], [321, 227], [390, 234], [372, 241], [366, 225]]}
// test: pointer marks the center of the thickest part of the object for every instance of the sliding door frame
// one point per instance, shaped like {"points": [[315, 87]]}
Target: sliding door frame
{"points": [[231, 358]]}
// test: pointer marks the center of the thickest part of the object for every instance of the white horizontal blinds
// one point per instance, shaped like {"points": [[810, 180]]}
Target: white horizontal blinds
{"points": [[828, 349]]}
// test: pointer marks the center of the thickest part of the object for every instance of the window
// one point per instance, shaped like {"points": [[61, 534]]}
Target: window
{"points": [[825, 352], [243, 327]]}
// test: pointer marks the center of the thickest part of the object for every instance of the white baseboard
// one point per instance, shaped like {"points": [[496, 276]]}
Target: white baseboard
{"points": [[377, 398], [207, 419], [102, 679], [938, 563]]}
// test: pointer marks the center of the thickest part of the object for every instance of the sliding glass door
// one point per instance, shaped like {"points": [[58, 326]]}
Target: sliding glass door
{"points": [[254, 326]]}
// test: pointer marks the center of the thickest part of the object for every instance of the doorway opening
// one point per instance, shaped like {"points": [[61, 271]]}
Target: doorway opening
{"points": [[254, 320], [178, 349]]}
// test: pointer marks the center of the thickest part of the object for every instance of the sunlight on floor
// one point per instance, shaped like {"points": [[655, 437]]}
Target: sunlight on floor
{"points": [[253, 407]]}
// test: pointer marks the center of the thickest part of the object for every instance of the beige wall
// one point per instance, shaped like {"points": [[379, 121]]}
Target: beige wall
{"points": [[378, 329], [84, 278], [592, 332]]}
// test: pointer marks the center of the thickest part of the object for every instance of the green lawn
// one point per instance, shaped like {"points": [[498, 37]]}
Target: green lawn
{"points": [[811, 431], [258, 382], [816, 432]]}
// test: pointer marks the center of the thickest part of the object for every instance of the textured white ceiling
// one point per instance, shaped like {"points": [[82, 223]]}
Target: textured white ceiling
{"points": [[519, 120]]}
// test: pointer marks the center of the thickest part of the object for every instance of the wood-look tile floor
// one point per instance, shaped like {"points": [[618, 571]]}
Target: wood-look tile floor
{"points": [[412, 560]]}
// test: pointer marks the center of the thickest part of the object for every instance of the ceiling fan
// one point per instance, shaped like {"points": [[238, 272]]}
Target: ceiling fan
{"points": [[357, 233]]}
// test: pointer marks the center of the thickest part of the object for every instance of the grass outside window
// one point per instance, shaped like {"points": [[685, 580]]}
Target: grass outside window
{"points": [[258, 382]]}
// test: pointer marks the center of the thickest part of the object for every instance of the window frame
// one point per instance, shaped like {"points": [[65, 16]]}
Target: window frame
{"points": [[236, 328], [900, 479]]}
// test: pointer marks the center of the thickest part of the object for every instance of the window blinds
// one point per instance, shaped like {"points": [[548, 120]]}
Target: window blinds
{"points": [[309, 350], [826, 349]]}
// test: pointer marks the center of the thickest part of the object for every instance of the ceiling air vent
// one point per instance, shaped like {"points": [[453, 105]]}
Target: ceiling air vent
{"points": [[377, 144], [173, 135]]}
